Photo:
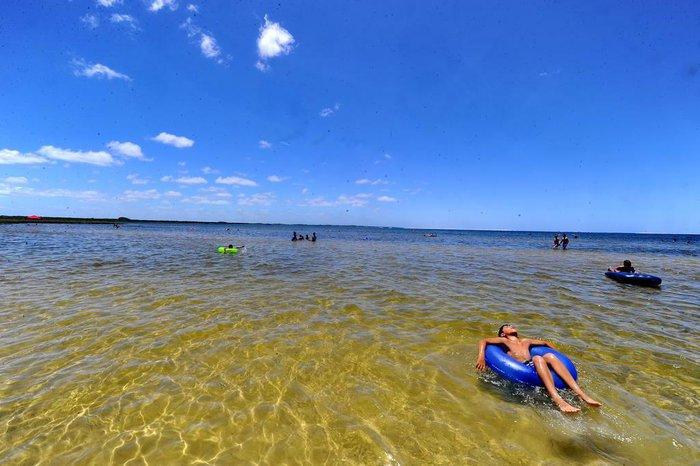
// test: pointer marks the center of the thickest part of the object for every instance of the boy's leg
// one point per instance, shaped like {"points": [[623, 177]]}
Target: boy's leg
{"points": [[543, 371], [563, 372]]}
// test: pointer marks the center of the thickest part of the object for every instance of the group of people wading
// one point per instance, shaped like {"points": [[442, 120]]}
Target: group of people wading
{"points": [[296, 237], [563, 242]]}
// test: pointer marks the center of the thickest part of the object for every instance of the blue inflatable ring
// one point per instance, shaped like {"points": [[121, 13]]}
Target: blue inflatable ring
{"points": [[511, 369]]}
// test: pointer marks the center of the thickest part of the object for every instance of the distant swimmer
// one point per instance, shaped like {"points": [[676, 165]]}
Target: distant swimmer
{"points": [[564, 242], [626, 267], [307, 238], [519, 349], [313, 237], [294, 238], [556, 242]]}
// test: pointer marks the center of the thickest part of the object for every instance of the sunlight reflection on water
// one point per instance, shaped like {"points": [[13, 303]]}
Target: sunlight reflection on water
{"points": [[143, 343]]}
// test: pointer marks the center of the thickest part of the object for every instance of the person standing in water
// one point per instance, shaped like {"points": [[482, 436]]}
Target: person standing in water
{"points": [[294, 238], [556, 242], [564, 242], [313, 237]]}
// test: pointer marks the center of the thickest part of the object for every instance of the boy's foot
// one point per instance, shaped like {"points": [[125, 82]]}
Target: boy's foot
{"points": [[566, 407], [590, 401]]}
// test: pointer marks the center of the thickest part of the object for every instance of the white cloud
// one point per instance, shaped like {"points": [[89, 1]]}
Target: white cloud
{"points": [[173, 194], [317, 202], [386, 199], [209, 171], [205, 200], [218, 192], [192, 8], [108, 3], [236, 180], [126, 20], [263, 199], [207, 43], [387, 156], [274, 40], [31, 192], [90, 20], [157, 5], [131, 195], [15, 180], [190, 180], [304, 190], [12, 157], [328, 111], [371, 182], [357, 200], [262, 66], [126, 149], [96, 70], [209, 47], [181, 164], [263, 144], [136, 179], [101, 158], [275, 179], [170, 139]]}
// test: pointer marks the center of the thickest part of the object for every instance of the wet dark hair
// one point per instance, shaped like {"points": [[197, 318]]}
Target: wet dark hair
{"points": [[627, 263], [500, 330]]}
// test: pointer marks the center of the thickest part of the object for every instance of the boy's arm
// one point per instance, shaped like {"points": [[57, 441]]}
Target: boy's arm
{"points": [[480, 361]]}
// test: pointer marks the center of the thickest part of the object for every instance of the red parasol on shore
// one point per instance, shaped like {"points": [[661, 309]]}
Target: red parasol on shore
{"points": [[33, 217]]}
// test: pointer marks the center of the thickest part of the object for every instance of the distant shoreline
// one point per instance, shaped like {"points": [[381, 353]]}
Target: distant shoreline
{"points": [[97, 221], [10, 219]]}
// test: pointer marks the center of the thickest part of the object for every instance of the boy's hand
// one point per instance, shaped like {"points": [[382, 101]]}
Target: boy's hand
{"points": [[480, 363]]}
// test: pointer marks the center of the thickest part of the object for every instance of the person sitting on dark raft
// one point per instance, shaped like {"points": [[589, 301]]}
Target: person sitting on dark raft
{"points": [[294, 238], [307, 238], [626, 267], [313, 237]]}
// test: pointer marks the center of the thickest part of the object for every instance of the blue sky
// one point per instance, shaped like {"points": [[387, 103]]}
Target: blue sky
{"points": [[575, 116]]}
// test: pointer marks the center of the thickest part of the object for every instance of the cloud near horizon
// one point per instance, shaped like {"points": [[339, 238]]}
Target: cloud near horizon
{"points": [[127, 149], [101, 158], [180, 142], [15, 157], [189, 180], [371, 182], [235, 180]]}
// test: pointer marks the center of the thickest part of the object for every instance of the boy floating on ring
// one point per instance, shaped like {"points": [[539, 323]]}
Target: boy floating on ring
{"points": [[519, 349]]}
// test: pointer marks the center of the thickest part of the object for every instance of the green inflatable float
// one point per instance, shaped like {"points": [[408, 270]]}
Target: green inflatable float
{"points": [[225, 250]]}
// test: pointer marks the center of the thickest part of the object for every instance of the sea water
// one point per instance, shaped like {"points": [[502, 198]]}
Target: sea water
{"points": [[142, 345]]}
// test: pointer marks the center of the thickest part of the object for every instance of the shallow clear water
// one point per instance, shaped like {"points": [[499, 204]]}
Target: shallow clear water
{"points": [[143, 345]]}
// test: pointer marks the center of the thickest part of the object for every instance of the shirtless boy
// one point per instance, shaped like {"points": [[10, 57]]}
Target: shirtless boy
{"points": [[519, 349]]}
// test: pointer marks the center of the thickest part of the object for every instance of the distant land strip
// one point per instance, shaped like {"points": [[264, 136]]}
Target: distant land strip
{"points": [[119, 220]]}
